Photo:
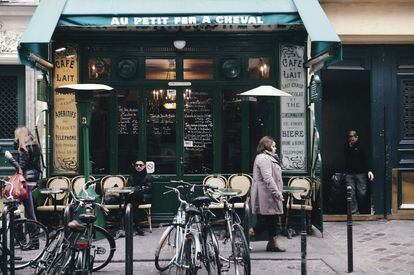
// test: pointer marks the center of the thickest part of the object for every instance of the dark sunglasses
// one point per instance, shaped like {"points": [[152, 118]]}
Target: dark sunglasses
{"points": [[139, 165]]}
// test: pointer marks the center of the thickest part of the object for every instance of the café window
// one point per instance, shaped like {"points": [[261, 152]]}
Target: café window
{"points": [[198, 131], [259, 68], [128, 129], [99, 68], [161, 129], [198, 69], [99, 134], [160, 69], [232, 128]]}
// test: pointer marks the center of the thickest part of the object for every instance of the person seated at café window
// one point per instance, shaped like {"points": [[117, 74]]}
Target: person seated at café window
{"points": [[142, 183]]}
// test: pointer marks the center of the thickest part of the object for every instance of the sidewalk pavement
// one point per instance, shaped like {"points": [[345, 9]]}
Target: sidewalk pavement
{"points": [[380, 247]]}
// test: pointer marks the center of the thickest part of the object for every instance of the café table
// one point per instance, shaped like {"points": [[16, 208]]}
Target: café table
{"points": [[290, 190], [53, 192], [123, 193], [229, 192]]}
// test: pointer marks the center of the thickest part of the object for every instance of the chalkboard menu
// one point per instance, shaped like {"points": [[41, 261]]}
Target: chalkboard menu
{"points": [[128, 121], [198, 132], [163, 124]]}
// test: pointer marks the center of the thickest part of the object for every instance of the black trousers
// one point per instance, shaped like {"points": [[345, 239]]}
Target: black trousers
{"points": [[266, 223], [360, 198]]}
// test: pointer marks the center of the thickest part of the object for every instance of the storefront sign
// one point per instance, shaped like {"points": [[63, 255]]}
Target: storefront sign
{"points": [[65, 138], [293, 109]]}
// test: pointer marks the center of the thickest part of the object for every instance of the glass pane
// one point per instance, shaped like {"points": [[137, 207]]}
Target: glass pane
{"points": [[232, 131], [128, 128], [99, 68], [259, 67], [198, 69], [198, 132], [162, 69], [99, 134], [161, 130]]}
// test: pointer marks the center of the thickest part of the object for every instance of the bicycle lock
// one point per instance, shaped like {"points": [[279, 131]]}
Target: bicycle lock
{"points": [[129, 239], [246, 221], [303, 234], [349, 228]]}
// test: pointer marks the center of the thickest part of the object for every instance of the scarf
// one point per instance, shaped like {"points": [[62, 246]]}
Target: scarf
{"points": [[138, 178]]}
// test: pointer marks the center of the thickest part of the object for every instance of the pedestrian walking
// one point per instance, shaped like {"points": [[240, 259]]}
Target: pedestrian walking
{"points": [[142, 183], [267, 197], [28, 159], [357, 172]]}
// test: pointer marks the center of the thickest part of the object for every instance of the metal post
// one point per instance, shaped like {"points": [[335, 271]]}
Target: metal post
{"points": [[4, 239], [349, 229], [128, 240], [303, 235], [11, 241]]}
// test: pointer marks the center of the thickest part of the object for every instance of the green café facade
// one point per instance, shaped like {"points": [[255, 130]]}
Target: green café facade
{"points": [[177, 69]]}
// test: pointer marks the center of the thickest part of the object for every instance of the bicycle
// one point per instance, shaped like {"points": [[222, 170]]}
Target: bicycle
{"points": [[78, 251], [189, 240], [239, 256], [27, 238]]}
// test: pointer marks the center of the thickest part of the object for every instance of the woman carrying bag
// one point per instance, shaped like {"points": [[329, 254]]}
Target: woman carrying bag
{"points": [[29, 161]]}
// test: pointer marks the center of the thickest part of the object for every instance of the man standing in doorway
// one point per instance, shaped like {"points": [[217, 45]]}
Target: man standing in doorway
{"points": [[357, 172]]}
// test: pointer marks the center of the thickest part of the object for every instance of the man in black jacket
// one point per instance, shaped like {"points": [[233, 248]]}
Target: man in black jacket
{"points": [[357, 171]]}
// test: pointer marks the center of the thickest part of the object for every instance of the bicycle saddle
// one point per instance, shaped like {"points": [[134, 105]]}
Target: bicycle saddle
{"points": [[75, 225], [201, 201], [192, 210], [87, 218]]}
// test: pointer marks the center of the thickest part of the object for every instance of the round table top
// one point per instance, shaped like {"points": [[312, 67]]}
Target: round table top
{"points": [[52, 190], [229, 191], [125, 190], [293, 189]]}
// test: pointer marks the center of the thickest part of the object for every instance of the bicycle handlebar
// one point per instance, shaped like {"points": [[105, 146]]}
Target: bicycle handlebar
{"points": [[10, 197], [175, 190]]}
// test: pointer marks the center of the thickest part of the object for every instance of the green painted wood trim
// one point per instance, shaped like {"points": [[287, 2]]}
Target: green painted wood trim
{"points": [[142, 120], [180, 133], [113, 133], [217, 130], [245, 139]]}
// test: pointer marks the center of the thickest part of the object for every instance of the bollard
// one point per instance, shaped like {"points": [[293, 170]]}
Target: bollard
{"points": [[67, 217], [303, 234], [129, 239], [11, 241], [246, 221], [349, 229], [4, 239]]}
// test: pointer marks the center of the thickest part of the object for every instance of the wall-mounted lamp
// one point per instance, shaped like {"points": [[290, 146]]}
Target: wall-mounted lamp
{"points": [[179, 44]]}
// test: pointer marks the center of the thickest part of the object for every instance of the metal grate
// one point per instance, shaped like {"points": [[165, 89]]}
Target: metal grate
{"points": [[8, 106], [408, 116]]}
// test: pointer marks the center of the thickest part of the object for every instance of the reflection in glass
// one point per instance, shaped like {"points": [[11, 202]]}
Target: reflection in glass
{"points": [[198, 132], [99, 68], [259, 67], [99, 134], [198, 69], [231, 147], [161, 129], [128, 128], [162, 69]]}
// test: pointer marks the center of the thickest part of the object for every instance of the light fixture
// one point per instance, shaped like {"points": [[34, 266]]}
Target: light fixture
{"points": [[179, 44], [61, 49]]}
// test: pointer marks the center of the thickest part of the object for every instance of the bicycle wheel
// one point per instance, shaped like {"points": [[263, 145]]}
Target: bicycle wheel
{"points": [[211, 250], [167, 248], [30, 240], [102, 248], [49, 253], [241, 254], [188, 260]]}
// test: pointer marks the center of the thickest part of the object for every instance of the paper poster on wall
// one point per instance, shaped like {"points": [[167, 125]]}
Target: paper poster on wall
{"points": [[293, 109], [65, 137]]}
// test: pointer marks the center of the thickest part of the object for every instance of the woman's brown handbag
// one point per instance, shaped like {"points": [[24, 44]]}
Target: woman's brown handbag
{"points": [[19, 184]]}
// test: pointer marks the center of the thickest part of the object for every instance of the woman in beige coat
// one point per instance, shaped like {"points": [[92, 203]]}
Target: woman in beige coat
{"points": [[266, 193]]}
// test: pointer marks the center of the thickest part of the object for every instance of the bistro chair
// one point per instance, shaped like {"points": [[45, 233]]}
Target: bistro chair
{"points": [[111, 181], [294, 199], [78, 182], [56, 203], [242, 182], [215, 181], [147, 209]]}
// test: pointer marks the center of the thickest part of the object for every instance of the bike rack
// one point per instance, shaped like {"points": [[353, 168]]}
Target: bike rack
{"points": [[246, 221], [303, 235], [129, 239], [7, 211], [67, 217]]}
